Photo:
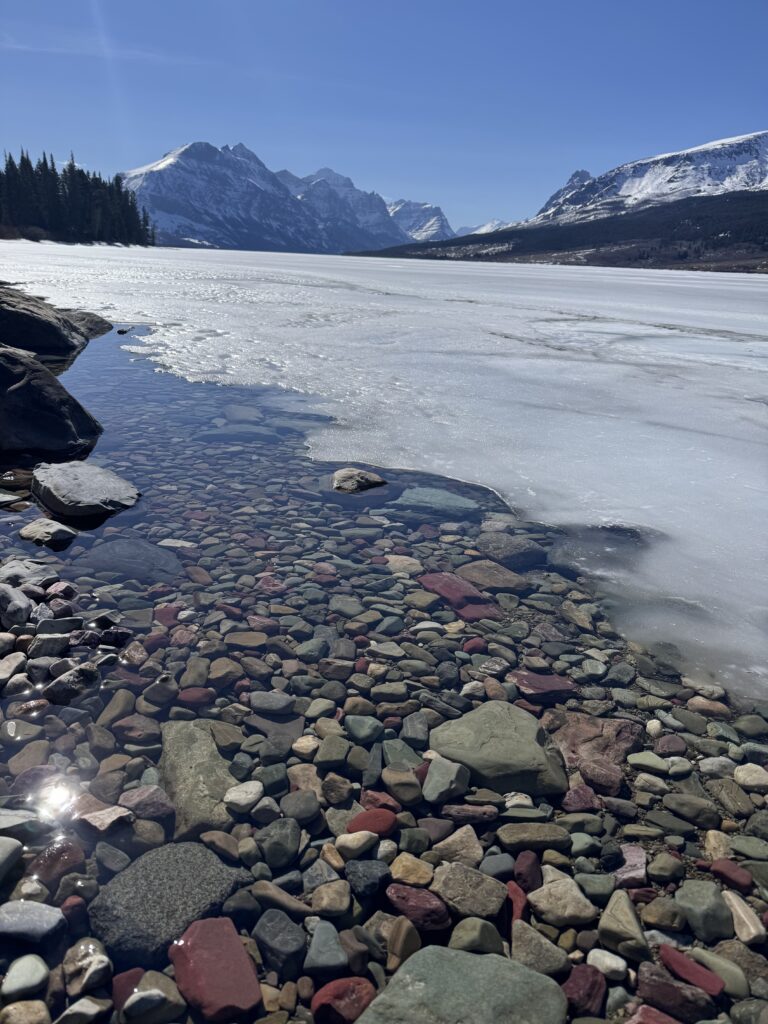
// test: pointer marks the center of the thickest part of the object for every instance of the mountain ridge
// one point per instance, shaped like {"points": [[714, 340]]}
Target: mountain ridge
{"points": [[200, 195]]}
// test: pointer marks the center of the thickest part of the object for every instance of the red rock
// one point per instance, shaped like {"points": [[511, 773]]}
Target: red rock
{"points": [[155, 642], [542, 689], [381, 821], [581, 798], [689, 971], [196, 696], [585, 990], [263, 625], [584, 738], [422, 907], [75, 910], [168, 614], [123, 986], [452, 588], [518, 902], [476, 645], [342, 1001], [213, 971], [732, 874], [532, 709], [528, 871], [647, 1015], [644, 895], [657, 987], [475, 612], [372, 800], [59, 858]]}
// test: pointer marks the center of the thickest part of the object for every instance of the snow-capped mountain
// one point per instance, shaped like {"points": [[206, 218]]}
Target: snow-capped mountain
{"points": [[422, 221], [727, 165], [227, 198], [485, 229]]}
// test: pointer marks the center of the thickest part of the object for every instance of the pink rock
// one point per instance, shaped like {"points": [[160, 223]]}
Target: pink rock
{"points": [[688, 1003], [475, 612], [581, 798], [585, 990], [666, 746], [150, 802], [475, 646], [196, 696], [602, 776], [137, 728], [689, 971], [631, 874], [373, 800], [75, 910], [342, 1001], [470, 814], [584, 738], [213, 971], [423, 908], [542, 689], [381, 821], [168, 614], [452, 588]]}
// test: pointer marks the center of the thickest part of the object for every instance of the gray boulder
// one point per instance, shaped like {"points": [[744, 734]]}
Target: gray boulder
{"points": [[29, 323], [196, 777], [450, 986], [504, 748], [132, 557], [353, 480], [146, 907], [514, 551], [37, 413], [79, 489]]}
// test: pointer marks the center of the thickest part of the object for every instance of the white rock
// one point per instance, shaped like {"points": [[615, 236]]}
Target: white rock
{"points": [[747, 925], [386, 850], [751, 777], [243, 797], [651, 784], [612, 966], [654, 728], [355, 844]]}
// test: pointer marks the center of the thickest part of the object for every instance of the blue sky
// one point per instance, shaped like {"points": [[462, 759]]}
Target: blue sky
{"points": [[482, 106]]}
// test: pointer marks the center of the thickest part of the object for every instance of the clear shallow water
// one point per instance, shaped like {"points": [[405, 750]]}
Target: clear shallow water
{"points": [[587, 396]]}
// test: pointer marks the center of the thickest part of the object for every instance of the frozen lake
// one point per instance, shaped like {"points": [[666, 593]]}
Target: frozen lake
{"points": [[586, 396]]}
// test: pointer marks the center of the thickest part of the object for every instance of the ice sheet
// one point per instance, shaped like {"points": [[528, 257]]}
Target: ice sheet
{"points": [[585, 395]]}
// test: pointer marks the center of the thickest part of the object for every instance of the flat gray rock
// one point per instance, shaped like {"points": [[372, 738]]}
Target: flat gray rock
{"points": [[133, 558], [434, 498], [196, 777], [26, 921], [504, 748], [449, 986], [146, 907], [80, 489]]}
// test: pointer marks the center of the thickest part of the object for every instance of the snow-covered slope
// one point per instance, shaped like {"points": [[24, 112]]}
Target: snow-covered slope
{"points": [[423, 222], [727, 165], [484, 229], [228, 198]]}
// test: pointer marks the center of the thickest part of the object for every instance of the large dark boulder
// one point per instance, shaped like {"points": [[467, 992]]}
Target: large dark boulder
{"points": [[30, 324], [37, 413]]}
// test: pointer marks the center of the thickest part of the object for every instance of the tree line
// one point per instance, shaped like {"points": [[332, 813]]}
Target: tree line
{"points": [[69, 205]]}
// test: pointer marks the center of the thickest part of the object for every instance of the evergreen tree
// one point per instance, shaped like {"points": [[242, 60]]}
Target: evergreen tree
{"points": [[38, 201]]}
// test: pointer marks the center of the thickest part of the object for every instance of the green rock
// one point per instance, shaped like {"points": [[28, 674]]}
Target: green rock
{"points": [[450, 986], [504, 748], [195, 776], [535, 836], [736, 984], [619, 929], [531, 949], [705, 910], [474, 935]]}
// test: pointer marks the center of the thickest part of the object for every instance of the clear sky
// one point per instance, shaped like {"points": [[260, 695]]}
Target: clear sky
{"points": [[482, 106]]}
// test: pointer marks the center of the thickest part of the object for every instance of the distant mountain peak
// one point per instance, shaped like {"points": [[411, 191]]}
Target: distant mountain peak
{"points": [[725, 165], [227, 197]]}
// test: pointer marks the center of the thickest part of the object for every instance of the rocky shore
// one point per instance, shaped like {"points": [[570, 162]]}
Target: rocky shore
{"points": [[273, 751]]}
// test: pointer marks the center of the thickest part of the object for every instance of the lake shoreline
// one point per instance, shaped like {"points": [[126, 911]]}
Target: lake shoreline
{"points": [[375, 735]]}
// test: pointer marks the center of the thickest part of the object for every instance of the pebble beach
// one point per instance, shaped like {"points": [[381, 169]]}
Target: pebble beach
{"points": [[271, 751]]}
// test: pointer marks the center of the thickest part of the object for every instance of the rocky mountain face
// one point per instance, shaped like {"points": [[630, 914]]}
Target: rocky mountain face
{"points": [[483, 229], [228, 198], [727, 165], [423, 222]]}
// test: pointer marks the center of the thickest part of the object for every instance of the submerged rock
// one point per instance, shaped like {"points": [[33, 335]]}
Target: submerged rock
{"points": [[196, 777], [146, 907], [504, 748], [79, 489], [450, 985], [131, 557], [37, 413]]}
